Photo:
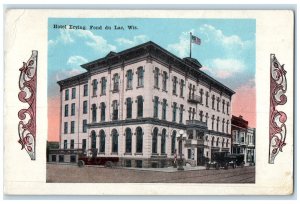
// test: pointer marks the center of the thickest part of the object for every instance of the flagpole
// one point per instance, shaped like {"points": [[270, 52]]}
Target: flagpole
{"points": [[190, 44]]}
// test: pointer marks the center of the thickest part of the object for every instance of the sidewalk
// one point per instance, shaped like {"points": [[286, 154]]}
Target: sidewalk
{"points": [[167, 169]]}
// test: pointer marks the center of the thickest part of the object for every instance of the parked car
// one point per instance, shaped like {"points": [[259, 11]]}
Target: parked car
{"points": [[91, 158], [236, 160], [225, 160]]}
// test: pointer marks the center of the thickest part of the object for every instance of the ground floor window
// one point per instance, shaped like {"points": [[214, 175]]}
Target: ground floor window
{"points": [[139, 163], [189, 153], [53, 158], [73, 158], [127, 163], [61, 158]]}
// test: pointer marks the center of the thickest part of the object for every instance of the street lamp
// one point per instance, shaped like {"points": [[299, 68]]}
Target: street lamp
{"points": [[180, 138]]}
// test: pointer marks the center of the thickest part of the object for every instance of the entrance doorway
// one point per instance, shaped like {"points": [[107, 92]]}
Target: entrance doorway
{"points": [[200, 157]]}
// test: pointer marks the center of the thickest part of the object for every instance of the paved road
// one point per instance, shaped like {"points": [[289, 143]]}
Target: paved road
{"points": [[92, 174]]}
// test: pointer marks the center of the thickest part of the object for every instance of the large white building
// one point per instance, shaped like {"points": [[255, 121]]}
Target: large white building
{"points": [[132, 105]]}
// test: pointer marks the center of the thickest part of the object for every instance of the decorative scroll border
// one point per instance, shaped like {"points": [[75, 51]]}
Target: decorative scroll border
{"points": [[277, 127], [27, 94]]}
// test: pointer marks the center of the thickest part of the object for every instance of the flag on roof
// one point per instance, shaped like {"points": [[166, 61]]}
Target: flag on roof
{"points": [[195, 40]]}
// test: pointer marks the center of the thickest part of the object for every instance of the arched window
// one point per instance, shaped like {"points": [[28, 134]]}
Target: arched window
{"points": [[94, 113], [115, 141], [102, 141], [140, 73], [173, 142], [212, 141], [163, 141], [223, 142], [227, 142], [154, 140], [139, 140], [128, 136], [217, 143], [93, 135]]}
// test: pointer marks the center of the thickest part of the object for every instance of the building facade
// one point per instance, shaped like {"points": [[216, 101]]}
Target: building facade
{"points": [[132, 105], [243, 139]]}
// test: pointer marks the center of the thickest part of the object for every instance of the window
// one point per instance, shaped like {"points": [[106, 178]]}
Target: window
{"points": [[66, 110], [140, 73], [102, 141], [174, 85], [72, 126], [95, 83], [201, 96], [213, 102], [181, 114], [73, 158], [201, 116], [163, 141], [173, 142], [115, 136], [84, 125], [189, 153], [223, 142], [164, 109], [94, 139], [212, 122], [227, 107], [115, 110], [154, 140], [94, 113], [218, 119], [65, 144], [53, 158], [84, 144], [190, 113], [227, 124], [73, 109], [128, 140], [103, 106], [140, 106], [67, 94], [217, 142], [139, 140], [164, 81], [227, 142], [155, 108], [103, 86], [181, 87], [212, 141], [129, 79], [85, 107], [206, 118], [218, 102], [174, 111], [72, 144], [128, 108], [65, 127], [194, 112], [223, 106], [206, 99], [156, 77], [73, 93], [85, 90], [223, 121], [61, 158], [116, 82]]}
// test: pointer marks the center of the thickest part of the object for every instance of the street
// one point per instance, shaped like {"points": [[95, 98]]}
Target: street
{"points": [[63, 173]]}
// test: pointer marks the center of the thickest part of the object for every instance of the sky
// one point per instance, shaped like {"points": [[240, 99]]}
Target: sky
{"points": [[227, 52]]}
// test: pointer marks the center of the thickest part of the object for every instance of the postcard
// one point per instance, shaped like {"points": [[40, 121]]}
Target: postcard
{"points": [[145, 102]]}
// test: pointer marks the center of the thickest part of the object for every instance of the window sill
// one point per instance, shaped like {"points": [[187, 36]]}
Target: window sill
{"points": [[93, 96], [139, 117], [164, 90], [115, 91], [182, 97], [102, 153], [127, 153], [156, 87], [142, 86], [154, 154], [129, 89], [103, 94], [114, 153], [138, 153], [175, 94]]}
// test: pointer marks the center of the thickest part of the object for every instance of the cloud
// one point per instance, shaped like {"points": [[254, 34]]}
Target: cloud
{"points": [[76, 60], [182, 47], [96, 42], [138, 39], [225, 68], [63, 74]]}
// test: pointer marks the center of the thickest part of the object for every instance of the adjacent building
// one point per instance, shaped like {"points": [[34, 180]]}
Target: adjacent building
{"points": [[132, 105]]}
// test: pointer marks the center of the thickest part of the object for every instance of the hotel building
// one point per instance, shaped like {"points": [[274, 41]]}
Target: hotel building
{"points": [[132, 105]]}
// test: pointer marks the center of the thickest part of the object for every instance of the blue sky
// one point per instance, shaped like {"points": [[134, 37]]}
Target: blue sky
{"points": [[227, 50]]}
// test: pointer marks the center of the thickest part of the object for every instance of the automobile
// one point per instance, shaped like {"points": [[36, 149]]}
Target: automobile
{"points": [[235, 160], [225, 160], [90, 158]]}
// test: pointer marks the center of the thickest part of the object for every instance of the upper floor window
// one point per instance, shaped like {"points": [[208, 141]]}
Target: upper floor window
{"points": [[140, 73], [206, 99], [212, 122], [194, 112], [218, 102], [65, 127], [84, 125], [94, 113], [190, 113], [140, 107], [103, 107], [201, 116], [85, 107], [206, 117], [181, 114], [218, 120], [164, 109], [103, 86], [174, 111], [223, 122], [67, 94], [155, 108], [227, 107], [156, 77], [129, 79], [73, 93], [223, 106], [85, 90], [201, 96], [115, 110], [116, 82], [227, 126], [213, 102], [164, 81], [212, 141], [66, 110], [73, 109], [72, 126], [95, 83], [65, 144], [128, 108], [181, 87], [175, 85]]}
